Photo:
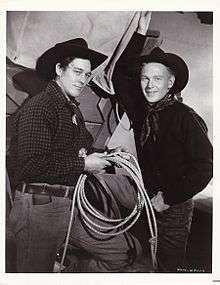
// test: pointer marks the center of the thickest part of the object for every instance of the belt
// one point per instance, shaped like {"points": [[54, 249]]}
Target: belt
{"points": [[47, 189]]}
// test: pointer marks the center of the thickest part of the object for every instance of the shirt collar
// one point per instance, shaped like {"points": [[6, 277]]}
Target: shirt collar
{"points": [[59, 97]]}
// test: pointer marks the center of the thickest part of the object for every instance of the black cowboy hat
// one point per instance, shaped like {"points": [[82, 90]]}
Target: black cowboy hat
{"points": [[172, 61], [78, 47]]}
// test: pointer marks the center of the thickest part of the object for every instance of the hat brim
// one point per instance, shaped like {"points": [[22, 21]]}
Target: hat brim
{"points": [[45, 66], [176, 64]]}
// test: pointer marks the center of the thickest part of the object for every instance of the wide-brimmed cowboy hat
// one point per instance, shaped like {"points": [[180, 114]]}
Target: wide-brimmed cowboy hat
{"points": [[77, 47], [172, 61]]}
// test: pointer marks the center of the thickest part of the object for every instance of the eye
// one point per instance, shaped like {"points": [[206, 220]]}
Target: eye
{"points": [[157, 78], [77, 72]]}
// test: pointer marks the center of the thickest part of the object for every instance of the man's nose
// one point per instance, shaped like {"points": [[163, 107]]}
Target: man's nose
{"points": [[150, 83]]}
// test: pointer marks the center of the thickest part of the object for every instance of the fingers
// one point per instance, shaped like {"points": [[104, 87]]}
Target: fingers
{"points": [[116, 149], [148, 18], [96, 162], [158, 202], [143, 23], [146, 14], [157, 197], [101, 171], [125, 156], [122, 152], [99, 161], [157, 206], [119, 149], [124, 149], [97, 154], [106, 163]]}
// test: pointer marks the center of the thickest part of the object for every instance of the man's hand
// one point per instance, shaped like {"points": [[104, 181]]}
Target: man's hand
{"points": [[143, 22], [158, 202], [96, 162], [122, 150]]}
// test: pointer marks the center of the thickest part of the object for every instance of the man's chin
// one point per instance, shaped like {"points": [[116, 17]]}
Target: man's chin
{"points": [[151, 101]]}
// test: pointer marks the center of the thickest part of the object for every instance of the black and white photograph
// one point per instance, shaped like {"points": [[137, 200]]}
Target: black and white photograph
{"points": [[109, 143]]}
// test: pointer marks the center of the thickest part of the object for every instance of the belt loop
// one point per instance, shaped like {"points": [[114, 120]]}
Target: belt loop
{"points": [[67, 191], [44, 186], [23, 187], [45, 189]]}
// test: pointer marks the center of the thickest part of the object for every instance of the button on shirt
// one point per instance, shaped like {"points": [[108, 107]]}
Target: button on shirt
{"points": [[46, 142]]}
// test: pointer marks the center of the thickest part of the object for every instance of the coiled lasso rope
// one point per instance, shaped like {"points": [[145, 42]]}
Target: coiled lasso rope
{"points": [[121, 225]]}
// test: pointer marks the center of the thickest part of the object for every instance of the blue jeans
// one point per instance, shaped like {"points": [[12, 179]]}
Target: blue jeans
{"points": [[40, 230], [173, 231]]}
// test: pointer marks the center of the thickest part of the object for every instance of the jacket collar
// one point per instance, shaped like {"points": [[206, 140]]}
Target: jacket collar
{"points": [[59, 98]]}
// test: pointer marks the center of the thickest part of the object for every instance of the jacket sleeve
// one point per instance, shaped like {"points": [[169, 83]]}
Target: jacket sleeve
{"points": [[124, 74], [199, 154], [35, 153]]}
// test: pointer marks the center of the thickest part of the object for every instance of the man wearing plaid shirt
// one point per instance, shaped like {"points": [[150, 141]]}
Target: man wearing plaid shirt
{"points": [[50, 148]]}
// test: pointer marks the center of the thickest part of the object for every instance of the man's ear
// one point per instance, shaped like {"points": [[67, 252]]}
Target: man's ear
{"points": [[171, 81], [58, 69]]}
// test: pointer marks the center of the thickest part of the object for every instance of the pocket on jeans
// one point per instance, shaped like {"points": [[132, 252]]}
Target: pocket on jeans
{"points": [[43, 206], [41, 199], [54, 205], [18, 215]]}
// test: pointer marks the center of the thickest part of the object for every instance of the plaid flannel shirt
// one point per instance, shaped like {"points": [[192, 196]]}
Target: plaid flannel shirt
{"points": [[49, 133]]}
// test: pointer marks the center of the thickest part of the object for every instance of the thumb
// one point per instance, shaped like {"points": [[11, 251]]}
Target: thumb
{"points": [[99, 154]]}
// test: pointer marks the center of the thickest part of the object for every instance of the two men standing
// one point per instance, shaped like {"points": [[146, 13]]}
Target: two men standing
{"points": [[51, 148]]}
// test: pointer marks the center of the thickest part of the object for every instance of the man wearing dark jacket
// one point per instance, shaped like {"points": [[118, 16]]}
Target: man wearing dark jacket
{"points": [[173, 148]]}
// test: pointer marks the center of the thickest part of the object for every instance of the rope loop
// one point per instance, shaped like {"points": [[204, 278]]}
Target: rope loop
{"points": [[115, 226]]}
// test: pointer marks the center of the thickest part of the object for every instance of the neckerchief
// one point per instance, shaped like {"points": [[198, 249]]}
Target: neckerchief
{"points": [[151, 121], [73, 106], [77, 116]]}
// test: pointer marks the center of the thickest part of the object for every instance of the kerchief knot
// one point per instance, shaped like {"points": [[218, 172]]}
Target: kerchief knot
{"points": [[151, 121]]}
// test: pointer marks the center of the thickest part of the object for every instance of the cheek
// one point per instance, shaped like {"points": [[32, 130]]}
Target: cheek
{"points": [[65, 78], [69, 80], [143, 85], [163, 86]]}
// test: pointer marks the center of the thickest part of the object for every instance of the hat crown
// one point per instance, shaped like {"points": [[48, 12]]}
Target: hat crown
{"points": [[157, 52], [75, 42], [77, 47]]}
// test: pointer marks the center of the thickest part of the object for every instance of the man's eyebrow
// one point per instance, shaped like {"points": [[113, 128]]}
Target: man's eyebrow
{"points": [[78, 68], [81, 69]]}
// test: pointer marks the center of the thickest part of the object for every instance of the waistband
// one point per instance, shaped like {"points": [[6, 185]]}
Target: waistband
{"points": [[47, 189]]}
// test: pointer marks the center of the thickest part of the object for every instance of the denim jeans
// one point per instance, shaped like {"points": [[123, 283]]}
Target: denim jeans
{"points": [[173, 231], [40, 230]]}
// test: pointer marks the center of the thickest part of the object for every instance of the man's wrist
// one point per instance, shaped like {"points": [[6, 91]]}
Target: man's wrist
{"points": [[141, 31]]}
